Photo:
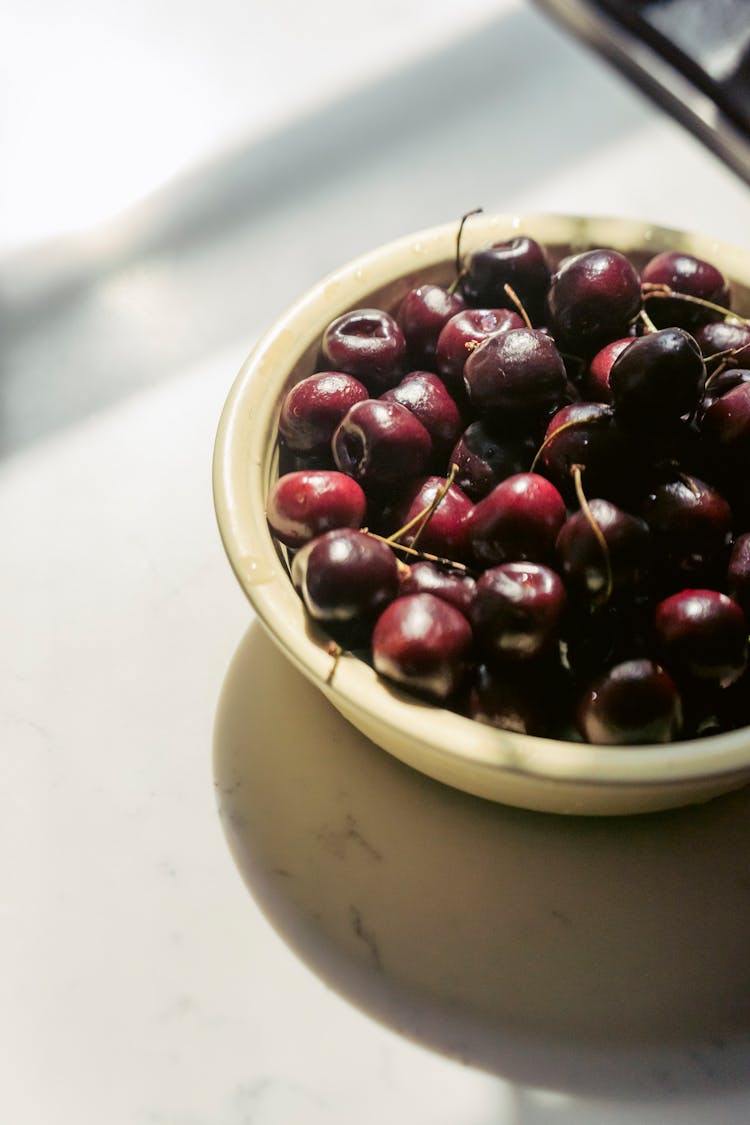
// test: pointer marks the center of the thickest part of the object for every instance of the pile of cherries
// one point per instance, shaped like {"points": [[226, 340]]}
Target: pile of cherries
{"points": [[526, 495]]}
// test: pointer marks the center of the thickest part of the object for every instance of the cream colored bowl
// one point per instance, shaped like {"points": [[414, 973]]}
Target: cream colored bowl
{"points": [[529, 772]]}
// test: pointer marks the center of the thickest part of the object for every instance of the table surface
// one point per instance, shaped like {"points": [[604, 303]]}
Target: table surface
{"points": [[219, 904]]}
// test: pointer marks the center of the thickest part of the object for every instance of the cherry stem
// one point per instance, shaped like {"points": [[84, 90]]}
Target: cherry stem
{"points": [[425, 556], [577, 471], [422, 518], [650, 326], [519, 305], [652, 289], [476, 211], [336, 652]]}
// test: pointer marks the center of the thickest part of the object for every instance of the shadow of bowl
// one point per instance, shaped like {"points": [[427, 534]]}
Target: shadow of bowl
{"points": [[569, 952]]}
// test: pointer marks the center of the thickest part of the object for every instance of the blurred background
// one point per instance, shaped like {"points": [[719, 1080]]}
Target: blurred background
{"points": [[174, 174]]}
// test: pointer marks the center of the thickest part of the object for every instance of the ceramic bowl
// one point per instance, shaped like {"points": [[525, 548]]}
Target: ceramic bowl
{"points": [[529, 772]]}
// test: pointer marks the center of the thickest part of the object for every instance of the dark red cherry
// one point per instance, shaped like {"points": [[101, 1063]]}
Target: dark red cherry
{"points": [[588, 434], [426, 395], [702, 635], [597, 377], [368, 344], [517, 611], [596, 573], [726, 427], [446, 532], [422, 643], [634, 703], [422, 315], [429, 578], [313, 408], [690, 524], [658, 378], [304, 504], [380, 444], [592, 299], [527, 698], [518, 521], [721, 382], [720, 337], [487, 452], [518, 262], [738, 573], [520, 371], [461, 335], [346, 577], [685, 274]]}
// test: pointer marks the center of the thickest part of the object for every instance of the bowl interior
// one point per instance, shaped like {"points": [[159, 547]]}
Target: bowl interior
{"points": [[523, 770]]}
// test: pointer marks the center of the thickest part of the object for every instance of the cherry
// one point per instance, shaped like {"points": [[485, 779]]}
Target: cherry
{"points": [[429, 578], [519, 370], [529, 698], [738, 573], [726, 424], [488, 452], [461, 335], [603, 551], [720, 337], [368, 344], [313, 408], [346, 577], [597, 376], [517, 611], [691, 524], [304, 504], [422, 643], [588, 434], [685, 274], [381, 443], [657, 378], [422, 315], [600, 636], [701, 635], [518, 521], [593, 296], [425, 394], [722, 381], [634, 703], [446, 532], [518, 262]]}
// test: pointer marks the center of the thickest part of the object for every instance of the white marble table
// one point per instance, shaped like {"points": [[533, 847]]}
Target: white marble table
{"points": [[219, 904]]}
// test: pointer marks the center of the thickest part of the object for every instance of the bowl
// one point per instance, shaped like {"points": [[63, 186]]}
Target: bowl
{"points": [[535, 773]]}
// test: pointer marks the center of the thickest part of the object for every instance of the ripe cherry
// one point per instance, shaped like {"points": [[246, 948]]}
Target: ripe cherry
{"points": [[453, 586], [422, 643], [659, 377], [587, 434], [426, 396], [445, 533], [380, 443], [304, 504], [690, 524], [313, 408], [422, 315], [517, 611], [597, 377], [528, 698], [685, 274], [346, 578], [461, 335], [593, 297], [487, 452], [702, 635], [520, 370], [518, 262], [368, 344], [518, 521], [604, 557], [633, 703]]}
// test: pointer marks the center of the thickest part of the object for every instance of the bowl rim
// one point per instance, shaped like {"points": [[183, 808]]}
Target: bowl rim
{"points": [[240, 473]]}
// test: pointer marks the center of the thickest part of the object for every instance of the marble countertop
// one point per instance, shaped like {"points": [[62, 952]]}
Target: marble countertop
{"points": [[220, 905]]}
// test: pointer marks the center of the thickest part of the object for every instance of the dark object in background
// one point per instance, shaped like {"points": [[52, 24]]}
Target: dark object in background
{"points": [[691, 56]]}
